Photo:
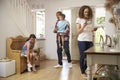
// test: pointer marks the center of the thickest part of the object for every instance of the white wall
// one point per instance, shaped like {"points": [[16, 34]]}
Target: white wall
{"points": [[51, 7]]}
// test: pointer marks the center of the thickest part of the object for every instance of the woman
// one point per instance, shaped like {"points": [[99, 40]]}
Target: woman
{"points": [[28, 50], [85, 34]]}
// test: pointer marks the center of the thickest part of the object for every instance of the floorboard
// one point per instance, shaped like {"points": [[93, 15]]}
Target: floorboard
{"points": [[46, 71]]}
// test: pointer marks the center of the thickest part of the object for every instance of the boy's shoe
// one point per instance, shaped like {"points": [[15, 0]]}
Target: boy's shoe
{"points": [[70, 65], [58, 66]]}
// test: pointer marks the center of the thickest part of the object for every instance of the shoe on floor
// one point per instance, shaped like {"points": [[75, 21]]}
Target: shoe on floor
{"points": [[84, 75], [70, 65], [29, 65], [58, 66], [29, 69], [33, 68]]}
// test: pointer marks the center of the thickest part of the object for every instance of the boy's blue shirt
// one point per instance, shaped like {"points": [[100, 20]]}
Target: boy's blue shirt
{"points": [[62, 26]]}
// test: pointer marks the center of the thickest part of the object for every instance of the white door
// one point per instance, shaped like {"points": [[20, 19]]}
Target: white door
{"points": [[73, 35], [71, 15]]}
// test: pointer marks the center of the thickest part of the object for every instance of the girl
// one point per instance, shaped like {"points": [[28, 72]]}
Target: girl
{"points": [[85, 34], [28, 50]]}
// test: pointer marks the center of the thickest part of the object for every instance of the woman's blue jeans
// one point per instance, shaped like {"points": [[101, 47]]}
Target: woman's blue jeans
{"points": [[83, 45]]}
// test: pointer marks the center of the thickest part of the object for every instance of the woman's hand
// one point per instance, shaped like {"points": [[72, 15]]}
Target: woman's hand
{"points": [[85, 24], [80, 29]]}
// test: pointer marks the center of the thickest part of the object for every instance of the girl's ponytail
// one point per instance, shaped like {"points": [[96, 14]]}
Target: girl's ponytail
{"points": [[31, 36]]}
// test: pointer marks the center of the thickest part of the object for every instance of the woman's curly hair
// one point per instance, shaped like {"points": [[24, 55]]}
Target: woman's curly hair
{"points": [[81, 12]]}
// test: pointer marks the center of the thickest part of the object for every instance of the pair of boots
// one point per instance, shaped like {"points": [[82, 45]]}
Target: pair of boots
{"points": [[31, 66]]}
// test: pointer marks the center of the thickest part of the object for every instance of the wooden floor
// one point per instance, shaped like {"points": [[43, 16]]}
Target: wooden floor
{"points": [[46, 71]]}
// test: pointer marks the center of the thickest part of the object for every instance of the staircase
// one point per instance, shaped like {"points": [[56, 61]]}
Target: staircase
{"points": [[20, 12]]}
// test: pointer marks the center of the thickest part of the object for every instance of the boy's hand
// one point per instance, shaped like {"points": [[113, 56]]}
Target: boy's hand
{"points": [[95, 29]]}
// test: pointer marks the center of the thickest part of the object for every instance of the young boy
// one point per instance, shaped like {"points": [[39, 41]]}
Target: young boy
{"points": [[61, 27]]}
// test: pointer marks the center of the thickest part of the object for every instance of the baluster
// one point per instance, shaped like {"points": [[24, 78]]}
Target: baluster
{"points": [[21, 5], [17, 7], [23, 19], [23, 16], [27, 9], [17, 2], [26, 13], [13, 3], [20, 8], [7, 1], [28, 18], [10, 1]]}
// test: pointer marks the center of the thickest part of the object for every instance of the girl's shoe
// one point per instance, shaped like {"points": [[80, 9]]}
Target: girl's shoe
{"points": [[29, 65], [29, 69], [33, 68]]}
